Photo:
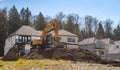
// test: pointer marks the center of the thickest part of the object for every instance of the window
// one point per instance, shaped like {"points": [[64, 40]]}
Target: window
{"points": [[117, 46], [19, 38], [97, 45], [71, 40], [29, 39], [102, 53], [24, 39]]}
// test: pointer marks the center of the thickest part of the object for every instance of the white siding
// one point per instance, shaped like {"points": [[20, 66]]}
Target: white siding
{"points": [[111, 47], [65, 39], [35, 38], [27, 48], [72, 46], [9, 43]]}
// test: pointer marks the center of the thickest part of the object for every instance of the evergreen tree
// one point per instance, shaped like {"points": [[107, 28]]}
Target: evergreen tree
{"points": [[22, 15], [108, 28], [82, 34], [100, 31], [116, 32], [40, 22], [25, 16], [70, 23], [14, 20], [3, 30]]}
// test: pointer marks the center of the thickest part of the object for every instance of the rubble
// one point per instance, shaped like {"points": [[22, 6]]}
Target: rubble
{"points": [[12, 54], [64, 54]]}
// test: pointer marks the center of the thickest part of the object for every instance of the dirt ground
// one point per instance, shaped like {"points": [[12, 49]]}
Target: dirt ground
{"points": [[79, 55]]}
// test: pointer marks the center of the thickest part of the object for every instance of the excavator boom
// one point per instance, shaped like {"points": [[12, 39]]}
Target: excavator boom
{"points": [[52, 26]]}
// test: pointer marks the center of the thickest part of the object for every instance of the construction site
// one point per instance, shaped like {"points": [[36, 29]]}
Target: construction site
{"points": [[70, 35], [50, 48]]}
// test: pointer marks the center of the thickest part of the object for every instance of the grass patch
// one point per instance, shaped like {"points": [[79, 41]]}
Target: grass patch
{"points": [[46, 64]]}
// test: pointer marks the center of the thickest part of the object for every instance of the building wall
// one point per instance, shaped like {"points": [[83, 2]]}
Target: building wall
{"points": [[35, 38], [65, 38], [113, 56], [89, 47], [110, 47], [9, 43], [113, 52], [72, 46], [27, 48], [69, 45]]}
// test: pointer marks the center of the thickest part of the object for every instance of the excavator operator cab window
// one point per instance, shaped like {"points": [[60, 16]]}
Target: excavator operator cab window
{"points": [[49, 39]]}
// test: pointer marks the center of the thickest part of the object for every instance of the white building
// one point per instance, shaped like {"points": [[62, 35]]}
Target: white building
{"points": [[105, 48], [114, 53], [25, 34], [94, 45]]}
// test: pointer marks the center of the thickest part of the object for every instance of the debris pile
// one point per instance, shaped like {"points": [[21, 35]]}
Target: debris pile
{"points": [[73, 55], [12, 54], [62, 53], [33, 55], [77, 55]]}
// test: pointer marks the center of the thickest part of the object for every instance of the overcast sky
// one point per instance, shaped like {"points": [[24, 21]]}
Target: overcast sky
{"points": [[101, 9]]}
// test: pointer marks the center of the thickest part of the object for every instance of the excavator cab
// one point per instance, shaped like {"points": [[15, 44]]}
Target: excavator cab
{"points": [[49, 39]]}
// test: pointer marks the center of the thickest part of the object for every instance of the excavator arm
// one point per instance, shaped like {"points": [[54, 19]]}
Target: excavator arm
{"points": [[52, 26]]}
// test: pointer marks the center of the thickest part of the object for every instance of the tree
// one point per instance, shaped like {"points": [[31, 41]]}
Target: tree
{"points": [[108, 28], [25, 16], [89, 26], [95, 25], [3, 30], [100, 31], [70, 23], [116, 32], [40, 22], [60, 16], [14, 20], [82, 34]]}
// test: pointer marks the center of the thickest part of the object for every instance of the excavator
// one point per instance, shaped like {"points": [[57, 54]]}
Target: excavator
{"points": [[46, 40]]}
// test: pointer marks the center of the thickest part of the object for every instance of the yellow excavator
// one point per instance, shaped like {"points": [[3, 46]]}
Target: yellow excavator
{"points": [[47, 39]]}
